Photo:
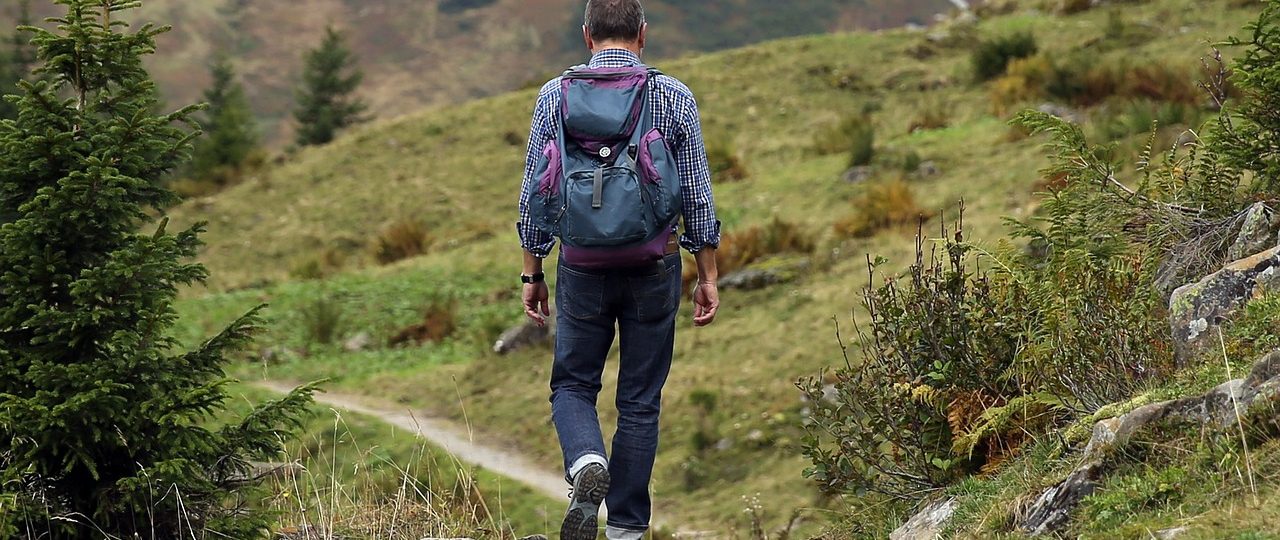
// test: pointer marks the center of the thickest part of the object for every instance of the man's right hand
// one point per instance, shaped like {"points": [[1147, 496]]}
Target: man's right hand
{"points": [[537, 302], [706, 302]]}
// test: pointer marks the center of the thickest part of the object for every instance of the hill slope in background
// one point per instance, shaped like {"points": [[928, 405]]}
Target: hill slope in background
{"points": [[418, 53], [733, 416]]}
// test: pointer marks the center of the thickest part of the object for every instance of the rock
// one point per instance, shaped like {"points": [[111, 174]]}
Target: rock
{"points": [[926, 524], [278, 353], [749, 280], [1197, 309], [358, 342], [1170, 534], [1257, 232], [770, 271], [928, 169], [524, 335], [1053, 508], [1218, 410], [859, 174]]}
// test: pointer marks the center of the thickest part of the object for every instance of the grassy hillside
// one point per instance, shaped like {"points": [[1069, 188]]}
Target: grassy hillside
{"points": [[417, 53], [299, 236]]}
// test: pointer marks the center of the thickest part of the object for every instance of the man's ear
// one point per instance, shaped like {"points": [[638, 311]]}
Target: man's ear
{"points": [[644, 35], [586, 37]]}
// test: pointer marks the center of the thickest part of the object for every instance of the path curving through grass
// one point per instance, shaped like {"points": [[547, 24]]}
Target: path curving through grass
{"points": [[447, 435]]}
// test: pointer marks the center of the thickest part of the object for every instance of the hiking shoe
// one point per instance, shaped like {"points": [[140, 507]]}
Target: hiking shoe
{"points": [[589, 488]]}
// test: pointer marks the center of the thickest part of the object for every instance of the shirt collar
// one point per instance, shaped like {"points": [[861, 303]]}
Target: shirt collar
{"points": [[612, 58]]}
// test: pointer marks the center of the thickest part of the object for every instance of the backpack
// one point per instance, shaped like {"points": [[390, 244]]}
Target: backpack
{"points": [[607, 185]]}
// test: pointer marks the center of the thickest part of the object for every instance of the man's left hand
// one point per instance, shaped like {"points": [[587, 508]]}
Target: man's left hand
{"points": [[537, 304]]}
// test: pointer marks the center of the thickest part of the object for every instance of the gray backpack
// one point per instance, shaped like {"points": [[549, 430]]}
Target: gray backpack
{"points": [[607, 186]]}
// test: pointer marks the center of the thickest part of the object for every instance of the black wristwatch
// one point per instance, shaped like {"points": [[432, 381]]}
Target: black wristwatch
{"points": [[536, 278]]}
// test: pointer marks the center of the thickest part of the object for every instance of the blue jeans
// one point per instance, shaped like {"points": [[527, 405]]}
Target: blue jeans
{"points": [[642, 303]]}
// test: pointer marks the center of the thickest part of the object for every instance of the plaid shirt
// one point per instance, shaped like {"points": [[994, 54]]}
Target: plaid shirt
{"points": [[675, 113]]}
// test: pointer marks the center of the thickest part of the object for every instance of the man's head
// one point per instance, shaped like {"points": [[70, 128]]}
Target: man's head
{"points": [[614, 24]]}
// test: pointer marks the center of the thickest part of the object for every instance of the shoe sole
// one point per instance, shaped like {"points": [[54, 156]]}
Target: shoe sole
{"points": [[581, 521]]}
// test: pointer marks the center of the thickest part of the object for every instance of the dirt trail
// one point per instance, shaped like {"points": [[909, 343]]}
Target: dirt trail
{"points": [[449, 436]]}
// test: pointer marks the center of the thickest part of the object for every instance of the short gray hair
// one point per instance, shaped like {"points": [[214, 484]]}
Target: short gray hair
{"points": [[614, 19]]}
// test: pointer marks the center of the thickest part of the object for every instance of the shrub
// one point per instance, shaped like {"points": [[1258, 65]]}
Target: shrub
{"points": [[854, 134], [1083, 81], [1024, 81], [1133, 117], [401, 240], [882, 205], [960, 369], [439, 321], [323, 320], [991, 57], [318, 266], [932, 114], [725, 164], [1068, 7]]}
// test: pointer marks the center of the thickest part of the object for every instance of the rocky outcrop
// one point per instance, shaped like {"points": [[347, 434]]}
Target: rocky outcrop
{"points": [[762, 274], [750, 279], [524, 335], [1198, 309], [1217, 410], [928, 523], [1257, 232]]}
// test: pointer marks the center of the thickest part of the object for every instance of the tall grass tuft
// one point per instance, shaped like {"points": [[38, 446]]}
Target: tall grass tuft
{"points": [[401, 240], [882, 205], [343, 487]]}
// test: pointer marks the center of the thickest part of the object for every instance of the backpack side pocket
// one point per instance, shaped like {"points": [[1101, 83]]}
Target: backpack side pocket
{"points": [[546, 203], [661, 177]]}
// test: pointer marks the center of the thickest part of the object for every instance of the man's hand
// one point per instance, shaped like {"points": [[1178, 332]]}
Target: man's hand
{"points": [[536, 304], [706, 302]]}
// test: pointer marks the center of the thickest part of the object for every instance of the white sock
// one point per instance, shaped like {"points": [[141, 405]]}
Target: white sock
{"points": [[583, 461], [614, 533]]}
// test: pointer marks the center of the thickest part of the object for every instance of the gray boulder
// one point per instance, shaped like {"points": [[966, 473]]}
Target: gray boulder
{"points": [[358, 342], [927, 524], [750, 279], [524, 335], [1216, 411], [1257, 232], [859, 174], [1196, 310]]}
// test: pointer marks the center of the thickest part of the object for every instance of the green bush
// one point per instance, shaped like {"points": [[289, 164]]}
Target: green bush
{"points": [[322, 321], [854, 134], [991, 57], [726, 165], [880, 206], [401, 240]]}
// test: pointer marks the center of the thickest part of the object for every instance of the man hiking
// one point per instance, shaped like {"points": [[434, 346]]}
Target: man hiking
{"points": [[615, 158]]}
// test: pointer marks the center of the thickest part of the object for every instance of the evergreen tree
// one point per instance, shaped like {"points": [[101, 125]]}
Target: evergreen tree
{"points": [[326, 99], [105, 422], [230, 133]]}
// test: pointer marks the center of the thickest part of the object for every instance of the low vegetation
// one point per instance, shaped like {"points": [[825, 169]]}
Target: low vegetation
{"points": [[964, 369]]}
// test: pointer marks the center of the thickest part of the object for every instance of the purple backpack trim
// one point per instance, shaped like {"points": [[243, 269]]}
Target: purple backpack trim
{"points": [[549, 183], [601, 259]]}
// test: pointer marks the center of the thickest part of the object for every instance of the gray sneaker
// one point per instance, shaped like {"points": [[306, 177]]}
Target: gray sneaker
{"points": [[589, 489]]}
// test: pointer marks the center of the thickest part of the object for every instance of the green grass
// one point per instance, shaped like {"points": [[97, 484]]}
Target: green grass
{"points": [[359, 472], [451, 169]]}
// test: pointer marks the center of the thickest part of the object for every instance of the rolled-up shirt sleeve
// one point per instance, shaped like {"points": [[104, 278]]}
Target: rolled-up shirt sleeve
{"points": [[541, 131], [701, 228]]}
